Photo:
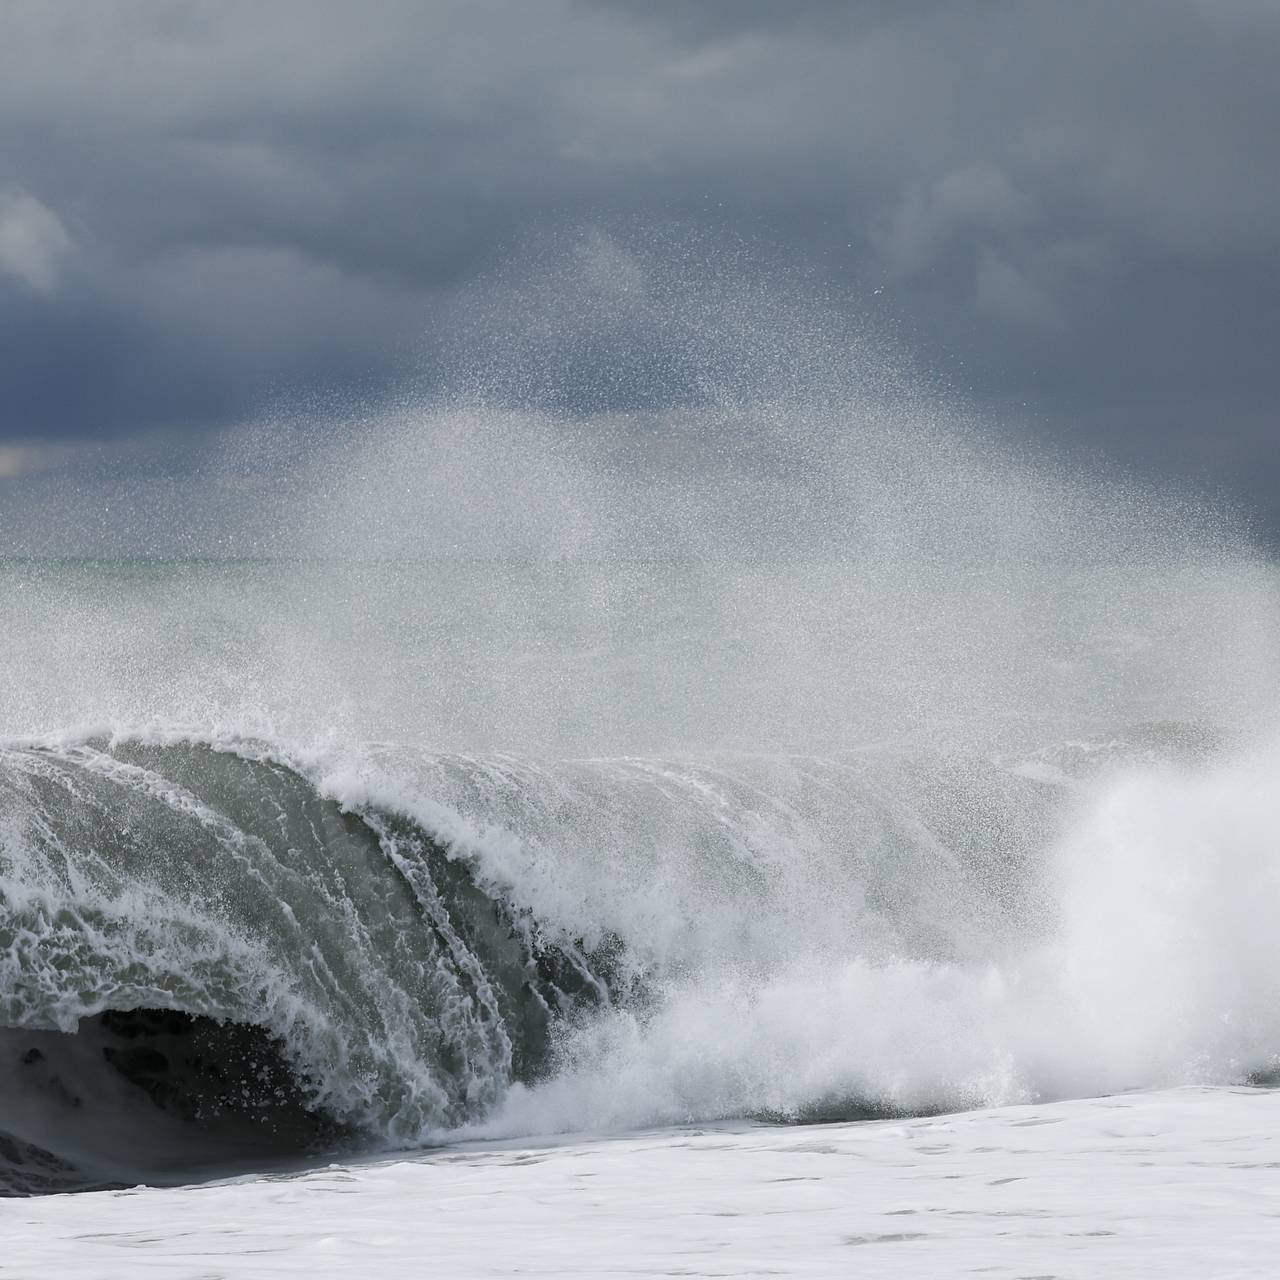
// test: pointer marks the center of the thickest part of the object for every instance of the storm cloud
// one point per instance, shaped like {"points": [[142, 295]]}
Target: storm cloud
{"points": [[1071, 211]]}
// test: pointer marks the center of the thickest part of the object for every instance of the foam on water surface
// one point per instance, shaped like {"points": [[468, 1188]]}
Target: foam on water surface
{"points": [[1176, 1184]]}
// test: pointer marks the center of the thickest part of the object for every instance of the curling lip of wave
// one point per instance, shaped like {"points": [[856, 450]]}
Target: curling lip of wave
{"points": [[139, 877]]}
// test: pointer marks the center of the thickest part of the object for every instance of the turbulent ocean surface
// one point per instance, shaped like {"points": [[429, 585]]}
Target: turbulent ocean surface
{"points": [[511, 786]]}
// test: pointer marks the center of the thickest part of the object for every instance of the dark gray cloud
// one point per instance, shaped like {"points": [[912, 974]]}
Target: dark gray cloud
{"points": [[1073, 210]]}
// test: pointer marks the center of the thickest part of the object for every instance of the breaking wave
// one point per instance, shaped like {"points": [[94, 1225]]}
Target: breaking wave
{"points": [[213, 956]]}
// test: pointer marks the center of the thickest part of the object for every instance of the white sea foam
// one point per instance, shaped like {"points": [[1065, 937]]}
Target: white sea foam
{"points": [[1168, 1185]]}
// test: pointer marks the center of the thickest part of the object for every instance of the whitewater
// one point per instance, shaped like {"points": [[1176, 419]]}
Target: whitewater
{"points": [[781, 835]]}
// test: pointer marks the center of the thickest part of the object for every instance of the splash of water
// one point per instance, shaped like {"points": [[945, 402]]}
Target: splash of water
{"points": [[800, 750]]}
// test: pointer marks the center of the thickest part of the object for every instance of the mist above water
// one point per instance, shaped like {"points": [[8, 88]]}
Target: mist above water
{"points": [[786, 538]]}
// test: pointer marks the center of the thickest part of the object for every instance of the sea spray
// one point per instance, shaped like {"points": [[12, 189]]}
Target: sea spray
{"points": [[802, 750]]}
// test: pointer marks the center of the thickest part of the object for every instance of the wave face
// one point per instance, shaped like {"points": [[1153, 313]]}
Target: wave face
{"points": [[226, 888], [524, 782]]}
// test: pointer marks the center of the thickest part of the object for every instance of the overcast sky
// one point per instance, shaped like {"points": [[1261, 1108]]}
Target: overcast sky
{"points": [[1068, 211]]}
